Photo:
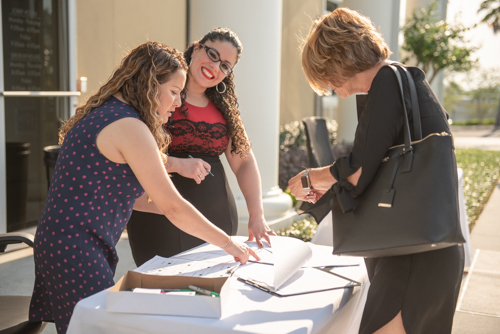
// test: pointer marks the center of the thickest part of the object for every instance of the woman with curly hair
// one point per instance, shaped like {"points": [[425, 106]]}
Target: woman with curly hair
{"points": [[112, 151], [207, 125]]}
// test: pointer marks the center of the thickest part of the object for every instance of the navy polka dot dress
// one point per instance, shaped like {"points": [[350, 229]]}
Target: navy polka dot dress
{"points": [[88, 205]]}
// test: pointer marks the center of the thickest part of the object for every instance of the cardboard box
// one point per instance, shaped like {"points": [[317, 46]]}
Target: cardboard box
{"points": [[120, 300]]}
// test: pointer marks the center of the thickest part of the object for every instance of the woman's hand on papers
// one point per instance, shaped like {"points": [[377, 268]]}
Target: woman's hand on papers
{"points": [[240, 251], [259, 230]]}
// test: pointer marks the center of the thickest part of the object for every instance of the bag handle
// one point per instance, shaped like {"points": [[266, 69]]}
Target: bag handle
{"points": [[417, 127], [387, 196], [406, 124], [408, 149]]}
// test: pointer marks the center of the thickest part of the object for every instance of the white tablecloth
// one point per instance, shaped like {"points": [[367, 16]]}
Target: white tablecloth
{"points": [[248, 310]]}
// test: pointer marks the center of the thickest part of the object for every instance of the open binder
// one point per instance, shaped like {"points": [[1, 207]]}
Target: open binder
{"points": [[294, 269]]}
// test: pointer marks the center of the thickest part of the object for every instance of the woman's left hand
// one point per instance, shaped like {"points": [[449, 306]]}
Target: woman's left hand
{"points": [[320, 179], [258, 230]]}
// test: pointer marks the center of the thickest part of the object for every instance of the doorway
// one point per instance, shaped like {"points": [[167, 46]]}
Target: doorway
{"points": [[37, 95]]}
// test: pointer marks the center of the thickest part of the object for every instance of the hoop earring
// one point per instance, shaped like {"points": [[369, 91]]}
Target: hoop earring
{"points": [[217, 88], [191, 61]]}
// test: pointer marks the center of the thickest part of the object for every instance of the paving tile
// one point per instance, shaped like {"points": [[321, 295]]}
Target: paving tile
{"points": [[481, 291]]}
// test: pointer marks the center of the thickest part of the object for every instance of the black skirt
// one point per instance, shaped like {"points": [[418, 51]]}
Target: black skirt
{"points": [[423, 286], [151, 234]]}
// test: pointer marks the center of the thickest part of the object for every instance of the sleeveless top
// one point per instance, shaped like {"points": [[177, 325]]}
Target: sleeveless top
{"points": [[90, 195], [89, 203], [203, 131]]}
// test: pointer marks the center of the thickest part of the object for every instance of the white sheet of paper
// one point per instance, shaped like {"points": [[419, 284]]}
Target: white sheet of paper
{"points": [[289, 255], [163, 266], [321, 256]]}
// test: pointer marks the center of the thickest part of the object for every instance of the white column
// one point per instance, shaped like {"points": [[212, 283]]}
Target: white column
{"points": [[72, 51], [385, 15], [257, 78], [3, 159]]}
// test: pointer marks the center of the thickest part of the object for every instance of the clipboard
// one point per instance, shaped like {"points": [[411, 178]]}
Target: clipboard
{"points": [[304, 281]]}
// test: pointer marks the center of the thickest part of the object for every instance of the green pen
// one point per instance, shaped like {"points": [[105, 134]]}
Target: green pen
{"points": [[203, 291], [209, 172], [160, 291]]}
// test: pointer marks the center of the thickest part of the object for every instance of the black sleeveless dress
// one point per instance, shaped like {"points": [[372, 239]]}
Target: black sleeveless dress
{"points": [[201, 134]]}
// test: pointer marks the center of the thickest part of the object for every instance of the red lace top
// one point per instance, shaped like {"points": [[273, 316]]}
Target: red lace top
{"points": [[203, 130]]}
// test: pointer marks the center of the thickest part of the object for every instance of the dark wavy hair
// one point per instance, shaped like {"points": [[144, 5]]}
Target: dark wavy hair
{"points": [[227, 102], [138, 79]]}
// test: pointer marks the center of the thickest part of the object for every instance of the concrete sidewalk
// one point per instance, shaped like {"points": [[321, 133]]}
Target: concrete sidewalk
{"points": [[478, 308], [480, 137], [17, 272]]}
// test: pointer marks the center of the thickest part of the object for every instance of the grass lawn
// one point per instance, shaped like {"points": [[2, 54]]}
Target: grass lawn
{"points": [[481, 173]]}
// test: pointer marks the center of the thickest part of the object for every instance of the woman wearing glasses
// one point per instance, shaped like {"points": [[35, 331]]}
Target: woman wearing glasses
{"points": [[208, 126]]}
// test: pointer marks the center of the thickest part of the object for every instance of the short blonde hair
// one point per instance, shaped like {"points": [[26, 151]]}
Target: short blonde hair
{"points": [[340, 45]]}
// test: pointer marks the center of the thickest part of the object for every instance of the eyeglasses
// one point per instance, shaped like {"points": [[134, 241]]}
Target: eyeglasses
{"points": [[214, 55]]}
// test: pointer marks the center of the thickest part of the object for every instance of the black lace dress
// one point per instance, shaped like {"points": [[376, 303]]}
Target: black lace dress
{"points": [[201, 134]]}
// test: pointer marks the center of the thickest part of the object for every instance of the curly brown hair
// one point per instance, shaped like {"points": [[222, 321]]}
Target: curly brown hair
{"points": [[340, 45], [227, 102], [138, 79]]}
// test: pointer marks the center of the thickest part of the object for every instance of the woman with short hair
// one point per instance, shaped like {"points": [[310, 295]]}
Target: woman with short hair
{"points": [[414, 293]]}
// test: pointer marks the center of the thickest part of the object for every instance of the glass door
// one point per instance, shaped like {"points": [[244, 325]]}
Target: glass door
{"points": [[36, 98]]}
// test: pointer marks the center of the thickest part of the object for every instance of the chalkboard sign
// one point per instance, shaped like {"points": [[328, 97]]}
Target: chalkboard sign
{"points": [[30, 45]]}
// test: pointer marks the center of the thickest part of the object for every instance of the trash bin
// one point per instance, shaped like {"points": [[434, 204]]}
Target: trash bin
{"points": [[50, 154], [17, 155]]}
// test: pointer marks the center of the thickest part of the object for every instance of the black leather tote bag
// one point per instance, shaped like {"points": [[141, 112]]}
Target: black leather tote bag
{"points": [[411, 206]]}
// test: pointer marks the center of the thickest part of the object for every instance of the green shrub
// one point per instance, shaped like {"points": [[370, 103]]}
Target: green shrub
{"points": [[294, 200], [303, 229], [481, 172], [485, 121]]}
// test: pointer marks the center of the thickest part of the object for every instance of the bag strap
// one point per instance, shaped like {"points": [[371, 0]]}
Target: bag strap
{"points": [[406, 124], [417, 127], [408, 148]]}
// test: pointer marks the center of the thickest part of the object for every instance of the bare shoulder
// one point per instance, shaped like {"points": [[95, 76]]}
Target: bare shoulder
{"points": [[122, 134]]}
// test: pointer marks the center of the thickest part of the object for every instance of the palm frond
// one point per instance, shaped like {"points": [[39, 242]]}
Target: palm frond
{"points": [[492, 17]]}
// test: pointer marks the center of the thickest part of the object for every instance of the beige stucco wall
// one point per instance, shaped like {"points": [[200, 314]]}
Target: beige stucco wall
{"points": [[107, 30], [296, 97]]}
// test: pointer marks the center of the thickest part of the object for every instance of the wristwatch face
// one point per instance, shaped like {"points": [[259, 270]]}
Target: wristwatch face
{"points": [[305, 182]]}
